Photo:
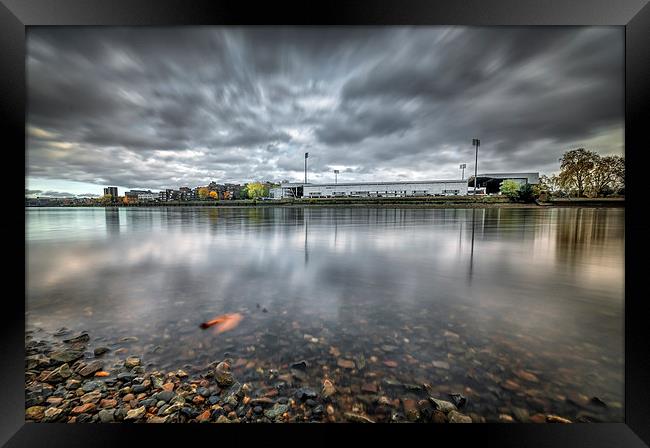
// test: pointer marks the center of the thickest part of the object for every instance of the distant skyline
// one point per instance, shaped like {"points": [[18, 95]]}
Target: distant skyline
{"points": [[158, 108]]}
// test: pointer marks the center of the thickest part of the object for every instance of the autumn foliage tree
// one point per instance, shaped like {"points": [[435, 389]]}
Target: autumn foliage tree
{"points": [[257, 190], [575, 169], [588, 174], [213, 195], [203, 193]]}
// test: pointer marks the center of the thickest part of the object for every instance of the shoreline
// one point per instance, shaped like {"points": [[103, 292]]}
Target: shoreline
{"points": [[68, 381], [438, 202]]}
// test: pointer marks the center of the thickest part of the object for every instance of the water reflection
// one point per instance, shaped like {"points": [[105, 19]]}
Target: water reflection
{"points": [[546, 295]]}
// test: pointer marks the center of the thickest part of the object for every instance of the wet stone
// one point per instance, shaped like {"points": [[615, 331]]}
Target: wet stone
{"points": [[139, 388], [106, 415], [457, 417], [98, 351], [126, 376], [300, 365], [276, 411], [442, 405], [222, 374], [91, 368], [35, 413], [135, 414], [82, 338], [305, 393], [458, 399], [203, 391], [165, 395], [441, 365], [357, 418], [52, 414], [132, 362], [345, 363], [91, 385]]}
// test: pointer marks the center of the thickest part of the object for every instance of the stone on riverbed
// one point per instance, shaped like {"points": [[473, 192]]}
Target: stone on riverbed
{"points": [[556, 419], [222, 374], [357, 418], [65, 356], [35, 413], [457, 417], [83, 338], [107, 415], [328, 389], [135, 414], [442, 405], [276, 411], [304, 393], [59, 374], [91, 368], [52, 414], [100, 351], [131, 362]]}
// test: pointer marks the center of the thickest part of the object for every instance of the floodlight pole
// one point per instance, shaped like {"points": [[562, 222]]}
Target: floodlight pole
{"points": [[306, 156], [476, 142]]}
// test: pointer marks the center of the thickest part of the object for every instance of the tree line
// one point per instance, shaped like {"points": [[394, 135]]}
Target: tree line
{"points": [[582, 173], [587, 174]]}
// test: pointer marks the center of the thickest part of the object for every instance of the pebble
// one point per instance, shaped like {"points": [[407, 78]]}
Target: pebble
{"points": [[277, 410], [132, 362], [100, 351], [106, 415], [35, 413], [304, 394], [345, 363], [357, 418], [85, 408], [135, 414], [457, 417], [556, 419], [442, 405], [328, 389], [52, 414], [222, 374], [91, 368], [440, 365]]}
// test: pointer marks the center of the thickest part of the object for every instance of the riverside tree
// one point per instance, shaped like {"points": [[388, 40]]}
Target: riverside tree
{"points": [[509, 188], [203, 193], [575, 169], [257, 190], [586, 173]]}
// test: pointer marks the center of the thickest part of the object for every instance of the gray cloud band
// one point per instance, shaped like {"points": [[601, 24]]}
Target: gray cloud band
{"points": [[156, 107]]}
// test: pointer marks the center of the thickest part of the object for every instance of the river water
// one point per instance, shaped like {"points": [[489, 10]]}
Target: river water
{"points": [[518, 309]]}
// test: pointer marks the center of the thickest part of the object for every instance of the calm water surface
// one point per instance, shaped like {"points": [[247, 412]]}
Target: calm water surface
{"points": [[465, 300]]}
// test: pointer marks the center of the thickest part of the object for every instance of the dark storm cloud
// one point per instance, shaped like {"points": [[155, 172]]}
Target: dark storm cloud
{"points": [[148, 107]]}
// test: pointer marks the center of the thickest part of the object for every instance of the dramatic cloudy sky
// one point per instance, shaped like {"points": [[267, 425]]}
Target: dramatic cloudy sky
{"points": [[156, 108]]}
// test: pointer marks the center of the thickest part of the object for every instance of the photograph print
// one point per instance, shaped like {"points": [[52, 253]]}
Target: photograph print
{"points": [[324, 224]]}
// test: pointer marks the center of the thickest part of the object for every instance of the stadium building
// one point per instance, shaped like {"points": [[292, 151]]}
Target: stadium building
{"points": [[371, 189]]}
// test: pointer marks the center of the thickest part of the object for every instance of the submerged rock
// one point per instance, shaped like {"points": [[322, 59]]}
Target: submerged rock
{"points": [[276, 411], [457, 417], [222, 374]]}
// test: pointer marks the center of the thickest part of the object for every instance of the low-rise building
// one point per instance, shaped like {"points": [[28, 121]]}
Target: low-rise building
{"points": [[371, 189], [490, 183], [141, 195]]}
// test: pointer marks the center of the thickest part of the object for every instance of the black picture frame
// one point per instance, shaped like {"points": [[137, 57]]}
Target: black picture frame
{"points": [[633, 15]]}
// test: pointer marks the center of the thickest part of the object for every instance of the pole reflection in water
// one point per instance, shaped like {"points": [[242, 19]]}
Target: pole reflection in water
{"points": [[471, 254]]}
